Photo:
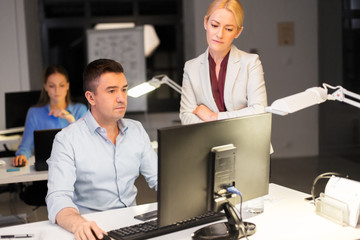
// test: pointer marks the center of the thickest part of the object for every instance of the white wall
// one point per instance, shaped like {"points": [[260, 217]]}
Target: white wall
{"points": [[288, 69], [14, 72]]}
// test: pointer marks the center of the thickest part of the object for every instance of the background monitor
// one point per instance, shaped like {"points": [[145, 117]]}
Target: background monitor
{"points": [[17, 105], [184, 153]]}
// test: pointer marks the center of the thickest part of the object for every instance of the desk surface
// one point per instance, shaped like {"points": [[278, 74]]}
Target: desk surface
{"points": [[286, 216], [25, 174]]}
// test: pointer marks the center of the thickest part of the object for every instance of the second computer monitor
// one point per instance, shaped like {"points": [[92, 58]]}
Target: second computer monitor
{"points": [[184, 153], [16, 106]]}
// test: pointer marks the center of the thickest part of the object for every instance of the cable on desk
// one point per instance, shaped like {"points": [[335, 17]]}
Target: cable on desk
{"points": [[234, 190]]}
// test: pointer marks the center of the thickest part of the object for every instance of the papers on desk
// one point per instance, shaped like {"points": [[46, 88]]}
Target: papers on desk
{"points": [[347, 191]]}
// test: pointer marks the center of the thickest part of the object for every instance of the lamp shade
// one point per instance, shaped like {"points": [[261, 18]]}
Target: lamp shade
{"points": [[296, 102], [141, 89]]}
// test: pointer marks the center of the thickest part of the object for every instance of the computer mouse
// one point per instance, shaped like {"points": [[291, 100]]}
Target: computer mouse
{"points": [[23, 163], [105, 237]]}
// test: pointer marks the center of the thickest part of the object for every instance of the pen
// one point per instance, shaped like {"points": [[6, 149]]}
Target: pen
{"points": [[17, 236], [13, 169]]}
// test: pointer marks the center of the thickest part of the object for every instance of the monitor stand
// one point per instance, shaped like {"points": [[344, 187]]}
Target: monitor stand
{"points": [[234, 228], [221, 179]]}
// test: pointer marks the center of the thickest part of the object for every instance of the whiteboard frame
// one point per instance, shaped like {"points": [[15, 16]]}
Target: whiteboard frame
{"points": [[110, 44]]}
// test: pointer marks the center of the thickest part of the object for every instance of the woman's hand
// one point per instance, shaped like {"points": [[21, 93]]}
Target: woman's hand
{"points": [[18, 160], [205, 114], [62, 113]]}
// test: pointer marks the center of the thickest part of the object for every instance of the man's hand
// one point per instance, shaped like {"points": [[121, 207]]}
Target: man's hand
{"points": [[71, 220], [205, 114], [88, 230]]}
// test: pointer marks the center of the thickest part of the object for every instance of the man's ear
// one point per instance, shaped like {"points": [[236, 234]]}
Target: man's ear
{"points": [[90, 97]]}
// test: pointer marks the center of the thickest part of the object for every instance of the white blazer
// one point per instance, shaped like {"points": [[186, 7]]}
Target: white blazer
{"points": [[244, 91]]}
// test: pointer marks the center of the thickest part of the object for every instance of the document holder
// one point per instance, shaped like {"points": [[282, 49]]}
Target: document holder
{"points": [[332, 209]]}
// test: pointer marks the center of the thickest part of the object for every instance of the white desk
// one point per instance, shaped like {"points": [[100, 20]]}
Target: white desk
{"points": [[286, 216], [25, 174]]}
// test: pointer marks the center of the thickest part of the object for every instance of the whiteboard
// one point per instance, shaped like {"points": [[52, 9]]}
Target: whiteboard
{"points": [[125, 46]]}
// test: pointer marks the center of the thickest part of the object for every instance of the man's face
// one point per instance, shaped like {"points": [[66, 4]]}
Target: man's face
{"points": [[109, 102]]}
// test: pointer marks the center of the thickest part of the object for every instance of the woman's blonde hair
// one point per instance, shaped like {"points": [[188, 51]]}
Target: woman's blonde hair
{"points": [[232, 5]]}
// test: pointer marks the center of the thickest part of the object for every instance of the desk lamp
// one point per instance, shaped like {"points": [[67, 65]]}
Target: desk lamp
{"points": [[334, 207], [310, 97], [152, 84]]}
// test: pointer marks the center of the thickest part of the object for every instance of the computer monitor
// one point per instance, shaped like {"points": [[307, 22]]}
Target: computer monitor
{"points": [[17, 105], [184, 153]]}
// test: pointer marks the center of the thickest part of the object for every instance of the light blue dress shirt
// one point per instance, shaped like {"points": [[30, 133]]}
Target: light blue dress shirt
{"points": [[89, 173], [38, 118]]}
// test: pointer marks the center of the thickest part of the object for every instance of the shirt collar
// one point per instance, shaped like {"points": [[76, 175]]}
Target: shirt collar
{"points": [[122, 126], [94, 125]]}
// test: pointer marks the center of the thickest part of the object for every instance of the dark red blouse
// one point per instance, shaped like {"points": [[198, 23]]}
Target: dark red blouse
{"points": [[218, 85]]}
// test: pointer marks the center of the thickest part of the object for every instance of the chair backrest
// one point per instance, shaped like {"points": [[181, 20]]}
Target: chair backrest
{"points": [[43, 140]]}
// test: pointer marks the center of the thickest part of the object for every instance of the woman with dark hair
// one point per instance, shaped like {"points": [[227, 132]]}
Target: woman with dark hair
{"points": [[53, 110]]}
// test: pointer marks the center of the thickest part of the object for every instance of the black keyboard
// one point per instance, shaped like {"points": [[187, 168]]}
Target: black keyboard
{"points": [[150, 229]]}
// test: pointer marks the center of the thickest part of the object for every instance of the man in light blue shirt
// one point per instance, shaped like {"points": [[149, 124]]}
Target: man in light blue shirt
{"points": [[96, 160]]}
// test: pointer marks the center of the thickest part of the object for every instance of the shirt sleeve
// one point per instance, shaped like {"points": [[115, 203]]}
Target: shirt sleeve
{"points": [[27, 142], [188, 100], [61, 177]]}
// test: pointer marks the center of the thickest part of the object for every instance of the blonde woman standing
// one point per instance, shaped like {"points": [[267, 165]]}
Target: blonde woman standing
{"points": [[223, 82]]}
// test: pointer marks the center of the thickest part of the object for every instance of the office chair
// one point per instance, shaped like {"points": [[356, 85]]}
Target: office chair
{"points": [[34, 194], [145, 194]]}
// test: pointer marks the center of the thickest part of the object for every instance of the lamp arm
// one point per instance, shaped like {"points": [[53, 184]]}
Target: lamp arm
{"points": [[165, 79], [340, 95], [310, 97]]}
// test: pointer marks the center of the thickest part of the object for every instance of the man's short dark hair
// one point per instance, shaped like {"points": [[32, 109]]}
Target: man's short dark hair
{"points": [[95, 69]]}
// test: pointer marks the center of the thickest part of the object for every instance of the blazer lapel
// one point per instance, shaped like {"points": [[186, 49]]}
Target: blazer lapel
{"points": [[232, 71], [205, 79]]}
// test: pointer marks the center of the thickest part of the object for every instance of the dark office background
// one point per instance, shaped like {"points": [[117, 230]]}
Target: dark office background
{"points": [[63, 25], [63, 36]]}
